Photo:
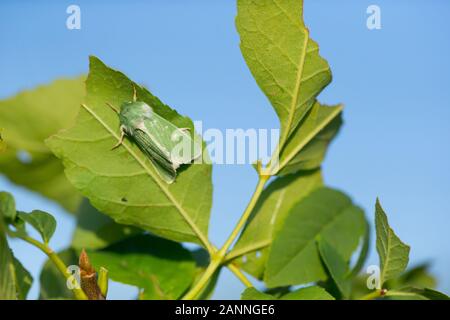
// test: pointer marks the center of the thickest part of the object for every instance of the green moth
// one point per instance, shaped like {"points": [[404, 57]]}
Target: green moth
{"points": [[166, 145]]}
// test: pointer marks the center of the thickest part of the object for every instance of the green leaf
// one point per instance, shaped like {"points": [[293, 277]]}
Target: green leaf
{"points": [[254, 294], [95, 230], [7, 207], [325, 213], [15, 280], [23, 279], [336, 266], [52, 284], [269, 214], [282, 58], [308, 293], [42, 221], [307, 146], [123, 183], [164, 269], [7, 276], [28, 119], [393, 253]]}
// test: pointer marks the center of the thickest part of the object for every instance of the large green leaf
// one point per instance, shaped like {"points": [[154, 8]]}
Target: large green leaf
{"points": [[336, 266], [95, 230], [28, 119], [393, 253], [307, 146], [164, 269], [282, 58], [43, 222], [270, 212], [53, 284], [123, 183], [325, 213]]}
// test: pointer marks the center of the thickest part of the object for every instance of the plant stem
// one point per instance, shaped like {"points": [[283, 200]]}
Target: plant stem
{"points": [[59, 264], [203, 281], [400, 294], [218, 257], [238, 273], [375, 294]]}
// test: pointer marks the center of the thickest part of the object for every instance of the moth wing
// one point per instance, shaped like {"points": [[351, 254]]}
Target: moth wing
{"points": [[175, 142], [158, 157]]}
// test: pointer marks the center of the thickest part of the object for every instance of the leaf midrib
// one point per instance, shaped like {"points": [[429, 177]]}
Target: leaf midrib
{"points": [[296, 96], [387, 253], [161, 185]]}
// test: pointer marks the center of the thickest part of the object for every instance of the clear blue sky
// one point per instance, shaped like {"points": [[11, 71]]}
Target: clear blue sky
{"points": [[394, 83]]}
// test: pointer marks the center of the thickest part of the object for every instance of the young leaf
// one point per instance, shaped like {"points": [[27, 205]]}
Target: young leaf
{"points": [[393, 253], [308, 293], [306, 148], [7, 207], [95, 230], [282, 58], [270, 212], [28, 119], [123, 183], [336, 266], [254, 294], [164, 269], [42, 221], [325, 213]]}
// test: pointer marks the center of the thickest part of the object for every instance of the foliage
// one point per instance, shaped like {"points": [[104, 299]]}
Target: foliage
{"points": [[296, 235]]}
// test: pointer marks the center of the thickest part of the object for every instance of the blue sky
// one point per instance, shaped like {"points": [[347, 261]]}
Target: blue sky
{"points": [[393, 82]]}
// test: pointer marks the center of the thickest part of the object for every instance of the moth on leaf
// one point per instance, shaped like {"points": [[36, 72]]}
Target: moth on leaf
{"points": [[166, 145]]}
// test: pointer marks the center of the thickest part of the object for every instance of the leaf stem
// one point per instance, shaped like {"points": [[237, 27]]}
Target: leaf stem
{"points": [[374, 294], [59, 264], [241, 276]]}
